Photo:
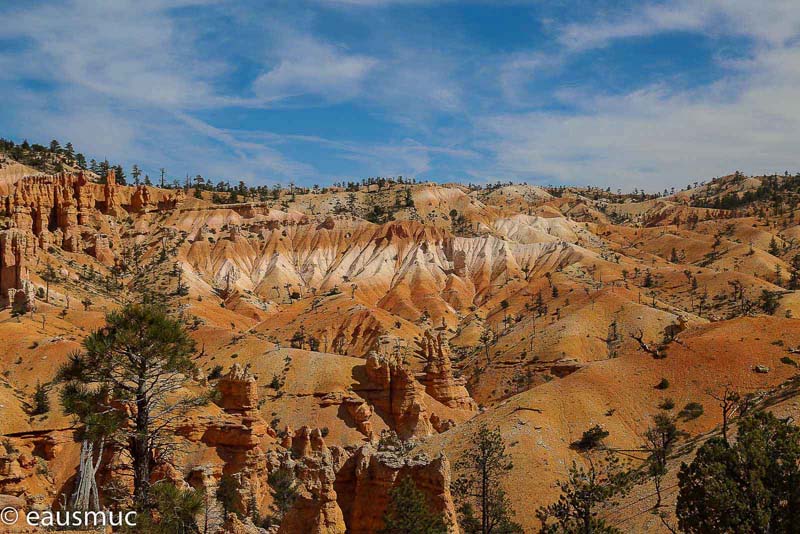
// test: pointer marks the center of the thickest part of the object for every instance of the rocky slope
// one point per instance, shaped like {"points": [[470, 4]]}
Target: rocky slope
{"points": [[322, 323]]}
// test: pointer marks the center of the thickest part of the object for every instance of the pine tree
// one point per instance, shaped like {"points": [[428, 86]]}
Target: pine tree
{"points": [[487, 339], [773, 247], [582, 495], [752, 485], [176, 511], [119, 174], [41, 403], [227, 493], [483, 505], [408, 512], [660, 438], [49, 275], [102, 170], [283, 488], [126, 384]]}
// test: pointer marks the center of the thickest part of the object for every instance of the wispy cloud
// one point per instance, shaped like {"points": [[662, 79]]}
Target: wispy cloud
{"points": [[127, 50], [305, 66], [657, 135], [770, 22]]}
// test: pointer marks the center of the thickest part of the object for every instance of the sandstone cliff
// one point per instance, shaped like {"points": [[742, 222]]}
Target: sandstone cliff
{"points": [[347, 490]]}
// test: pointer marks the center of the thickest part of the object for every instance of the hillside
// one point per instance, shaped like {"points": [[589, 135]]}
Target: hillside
{"points": [[324, 316]]}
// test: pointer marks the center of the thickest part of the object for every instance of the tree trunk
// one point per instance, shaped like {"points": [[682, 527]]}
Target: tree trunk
{"points": [[657, 481], [587, 521], [484, 501], [141, 452], [85, 496]]}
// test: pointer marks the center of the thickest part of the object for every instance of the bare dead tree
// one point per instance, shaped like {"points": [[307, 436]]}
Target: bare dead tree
{"points": [[730, 403], [656, 352], [85, 496]]}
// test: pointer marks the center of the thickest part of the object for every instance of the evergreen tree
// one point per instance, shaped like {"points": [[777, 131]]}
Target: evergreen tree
{"points": [[769, 301], [126, 384], [408, 512], [119, 174], [283, 488], [582, 495], [773, 247], [483, 506], [661, 438], [751, 486], [102, 170], [176, 511], [41, 403], [227, 493], [487, 339]]}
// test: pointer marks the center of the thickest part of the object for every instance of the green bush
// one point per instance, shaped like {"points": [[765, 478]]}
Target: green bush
{"points": [[692, 410], [591, 438]]}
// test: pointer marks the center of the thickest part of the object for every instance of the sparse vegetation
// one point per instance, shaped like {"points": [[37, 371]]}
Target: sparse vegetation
{"points": [[483, 505], [695, 276], [409, 512], [583, 495], [283, 488], [692, 410], [591, 438], [667, 404]]}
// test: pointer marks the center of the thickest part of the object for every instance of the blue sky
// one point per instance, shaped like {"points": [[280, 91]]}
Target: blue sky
{"points": [[620, 94]]}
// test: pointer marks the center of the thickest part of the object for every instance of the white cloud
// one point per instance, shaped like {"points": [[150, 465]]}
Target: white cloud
{"points": [[657, 136], [773, 22], [127, 50], [407, 157], [306, 66], [253, 155], [649, 20]]}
